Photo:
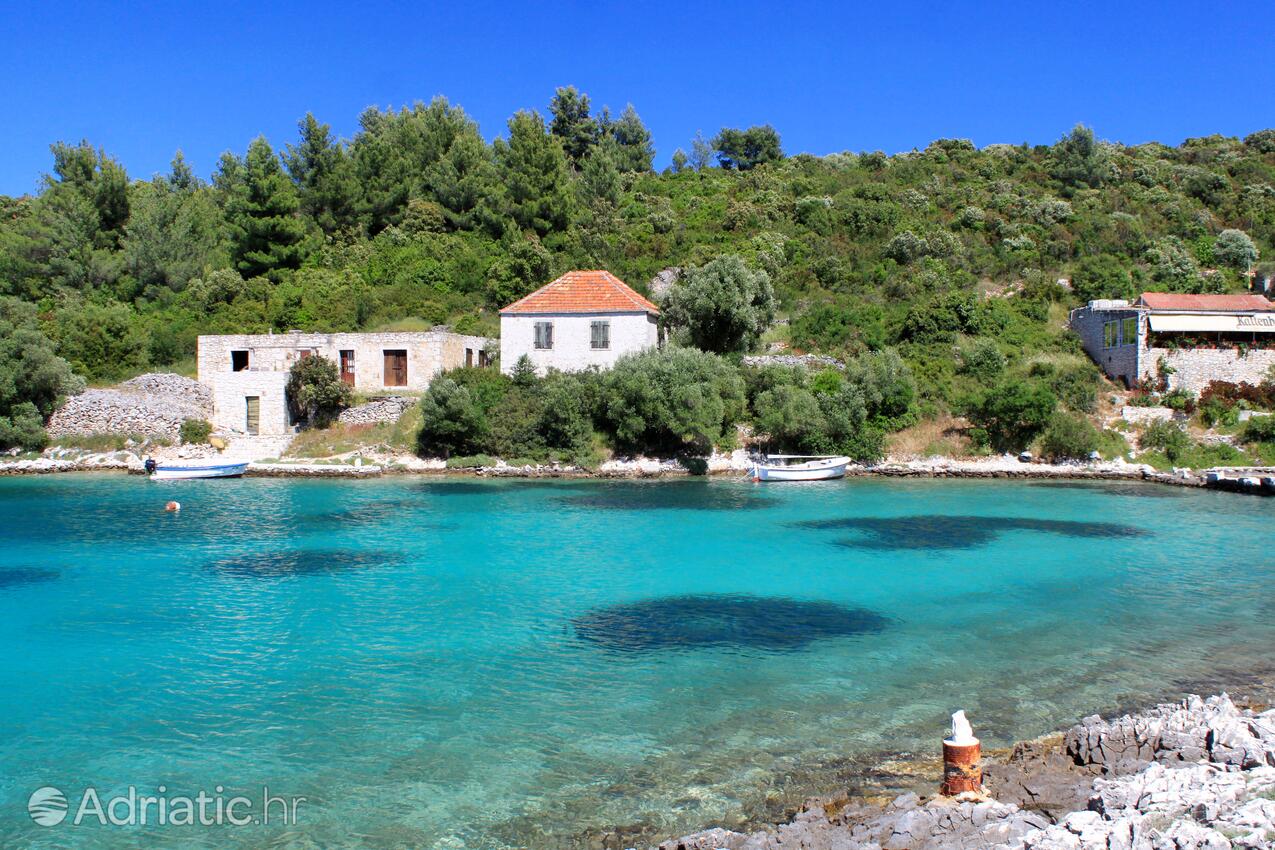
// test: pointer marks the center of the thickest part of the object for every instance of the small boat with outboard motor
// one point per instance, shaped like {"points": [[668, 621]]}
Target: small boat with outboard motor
{"points": [[194, 469], [799, 467]]}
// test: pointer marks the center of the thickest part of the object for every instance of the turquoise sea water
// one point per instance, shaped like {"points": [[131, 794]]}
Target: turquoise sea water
{"points": [[474, 664]]}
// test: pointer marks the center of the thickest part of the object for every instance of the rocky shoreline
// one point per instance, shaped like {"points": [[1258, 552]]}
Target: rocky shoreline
{"points": [[1198, 774], [365, 466]]}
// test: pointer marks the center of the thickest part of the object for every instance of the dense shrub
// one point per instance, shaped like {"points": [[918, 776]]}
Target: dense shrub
{"points": [[1074, 382], [1259, 429], [195, 430], [315, 391], [1069, 437], [835, 411], [983, 360], [32, 377], [672, 401], [452, 422], [1167, 437], [1013, 412]]}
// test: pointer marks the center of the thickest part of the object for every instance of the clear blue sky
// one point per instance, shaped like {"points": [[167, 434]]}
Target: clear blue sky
{"points": [[143, 79]]}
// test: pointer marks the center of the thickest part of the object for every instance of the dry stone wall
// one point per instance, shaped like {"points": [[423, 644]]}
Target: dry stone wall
{"points": [[153, 405], [379, 410]]}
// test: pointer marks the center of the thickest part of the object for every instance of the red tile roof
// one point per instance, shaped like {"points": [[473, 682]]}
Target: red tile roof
{"points": [[1207, 303], [583, 292]]}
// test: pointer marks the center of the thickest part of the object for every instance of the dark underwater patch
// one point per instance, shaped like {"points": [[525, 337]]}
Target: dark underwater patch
{"points": [[1118, 488], [934, 531], [285, 563], [728, 620], [19, 576], [372, 513], [688, 496], [496, 487]]}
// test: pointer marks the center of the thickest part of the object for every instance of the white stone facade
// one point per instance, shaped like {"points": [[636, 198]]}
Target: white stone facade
{"points": [[572, 347], [1196, 368], [231, 392], [238, 367]]}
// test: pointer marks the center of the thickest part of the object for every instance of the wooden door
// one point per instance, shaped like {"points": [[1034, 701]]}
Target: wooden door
{"points": [[396, 368], [253, 404], [347, 367]]}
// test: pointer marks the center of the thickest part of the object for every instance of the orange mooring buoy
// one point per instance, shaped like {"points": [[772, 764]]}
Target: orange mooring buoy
{"points": [[173, 507]]}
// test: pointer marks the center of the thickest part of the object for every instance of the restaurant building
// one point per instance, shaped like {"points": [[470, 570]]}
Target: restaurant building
{"points": [[1189, 341]]}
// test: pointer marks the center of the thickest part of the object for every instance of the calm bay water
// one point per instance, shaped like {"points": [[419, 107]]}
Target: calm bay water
{"points": [[473, 664]]}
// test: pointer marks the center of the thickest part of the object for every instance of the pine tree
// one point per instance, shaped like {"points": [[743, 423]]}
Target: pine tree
{"points": [[321, 172], [536, 176], [267, 237], [463, 179], [635, 150], [181, 178], [572, 122]]}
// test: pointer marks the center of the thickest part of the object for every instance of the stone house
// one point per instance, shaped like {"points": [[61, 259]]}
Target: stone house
{"points": [[582, 319], [247, 373], [1189, 340]]}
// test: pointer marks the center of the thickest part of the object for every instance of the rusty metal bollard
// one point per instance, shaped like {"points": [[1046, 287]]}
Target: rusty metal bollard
{"points": [[962, 759]]}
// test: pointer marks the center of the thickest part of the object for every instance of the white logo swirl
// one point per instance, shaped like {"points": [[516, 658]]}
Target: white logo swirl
{"points": [[47, 806]]}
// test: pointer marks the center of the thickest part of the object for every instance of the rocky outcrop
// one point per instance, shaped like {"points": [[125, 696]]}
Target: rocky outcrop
{"points": [[1194, 775], [152, 405], [387, 409], [662, 282], [1194, 730]]}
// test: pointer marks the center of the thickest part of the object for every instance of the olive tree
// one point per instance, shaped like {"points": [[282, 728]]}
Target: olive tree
{"points": [[723, 306], [1235, 250]]}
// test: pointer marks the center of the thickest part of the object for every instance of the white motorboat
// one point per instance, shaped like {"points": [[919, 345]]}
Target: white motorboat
{"points": [[173, 472], [799, 467]]}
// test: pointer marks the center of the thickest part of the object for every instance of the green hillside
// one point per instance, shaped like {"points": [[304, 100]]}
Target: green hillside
{"points": [[948, 255]]}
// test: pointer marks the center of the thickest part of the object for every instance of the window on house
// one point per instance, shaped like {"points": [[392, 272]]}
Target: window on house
{"points": [[544, 335], [1129, 331], [600, 334], [483, 359], [1110, 334], [239, 361], [395, 368], [469, 357]]}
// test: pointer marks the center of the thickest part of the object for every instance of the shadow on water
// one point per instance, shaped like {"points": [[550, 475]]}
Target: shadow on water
{"points": [[1117, 488], [19, 576], [373, 513], [679, 495], [495, 487], [696, 622], [301, 563], [928, 531]]}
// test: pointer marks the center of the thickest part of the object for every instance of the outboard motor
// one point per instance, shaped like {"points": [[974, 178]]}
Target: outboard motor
{"points": [[150, 465]]}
